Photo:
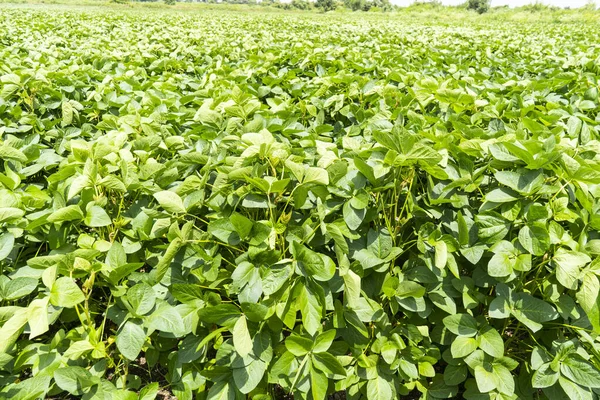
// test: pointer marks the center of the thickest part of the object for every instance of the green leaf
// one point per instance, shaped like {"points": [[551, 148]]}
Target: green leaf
{"points": [[166, 319], [65, 293], [573, 126], [574, 391], [170, 201], [539, 356], [532, 311], [298, 345], [222, 314], [351, 288], [379, 243], [16, 288], [224, 230], [284, 365], [67, 113], [318, 384], [276, 276], [589, 299], [324, 340], [96, 217], [492, 227], [163, 264], [423, 154], [473, 254], [7, 242], [209, 117], [462, 346], [535, 239], [10, 213], [77, 185], [544, 377], [37, 317], [440, 390], [352, 216], [316, 175], [69, 213], [74, 380], [141, 297], [11, 329], [366, 170], [29, 389], [463, 230], [499, 308], [409, 369], [524, 182], [441, 254], [455, 374], [501, 195], [310, 308], [328, 364], [111, 182], [501, 264], [319, 266], [130, 340], [255, 312], [379, 389], [249, 376], [568, 264], [77, 349], [11, 154], [580, 371], [241, 337], [116, 256], [222, 390], [242, 225], [409, 289], [487, 380], [149, 392], [491, 342], [461, 324], [505, 381]]}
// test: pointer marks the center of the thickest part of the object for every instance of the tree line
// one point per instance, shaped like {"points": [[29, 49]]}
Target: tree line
{"points": [[480, 6]]}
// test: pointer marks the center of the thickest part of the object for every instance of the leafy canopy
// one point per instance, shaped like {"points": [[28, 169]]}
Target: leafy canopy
{"points": [[228, 206]]}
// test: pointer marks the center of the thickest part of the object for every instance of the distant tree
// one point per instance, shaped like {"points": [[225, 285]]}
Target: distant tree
{"points": [[538, 6], [326, 5], [384, 5], [301, 4], [170, 2], [590, 6], [420, 4], [355, 5], [481, 6], [368, 5]]}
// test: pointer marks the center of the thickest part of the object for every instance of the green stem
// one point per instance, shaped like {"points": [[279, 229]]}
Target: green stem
{"points": [[304, 360]]}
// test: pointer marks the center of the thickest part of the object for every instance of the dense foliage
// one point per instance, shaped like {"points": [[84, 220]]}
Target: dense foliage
{"points": [[481, 6], [230, 205]]}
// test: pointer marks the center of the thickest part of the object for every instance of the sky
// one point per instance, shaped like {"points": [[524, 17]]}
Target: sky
{"points": [[512, 3]]}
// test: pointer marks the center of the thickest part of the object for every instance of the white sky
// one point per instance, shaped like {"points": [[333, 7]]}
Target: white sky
{"points": [[512, 3]]}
